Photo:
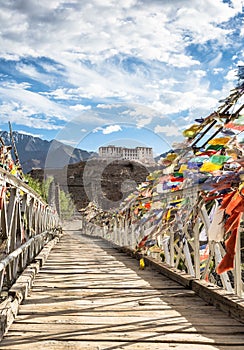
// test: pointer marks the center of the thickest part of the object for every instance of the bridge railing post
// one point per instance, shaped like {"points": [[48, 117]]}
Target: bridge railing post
{"points": [[115, 229], [126, 232], [133, 236], [171, 248], [238, 283], [196, 248]]}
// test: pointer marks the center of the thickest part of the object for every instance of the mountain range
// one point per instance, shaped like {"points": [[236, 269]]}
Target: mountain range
{"points": [[37, 153]]}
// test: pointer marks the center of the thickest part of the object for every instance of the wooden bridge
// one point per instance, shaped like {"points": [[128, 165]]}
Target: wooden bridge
{"points": [[89, 295], [83, 289], [80, 286]]}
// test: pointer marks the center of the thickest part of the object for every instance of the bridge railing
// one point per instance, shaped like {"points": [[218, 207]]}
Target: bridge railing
{"points": [[176, 233], [27, 223]]}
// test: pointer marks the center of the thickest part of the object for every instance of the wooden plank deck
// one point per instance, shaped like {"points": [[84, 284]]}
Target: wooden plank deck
{"points": [[90, 296]]}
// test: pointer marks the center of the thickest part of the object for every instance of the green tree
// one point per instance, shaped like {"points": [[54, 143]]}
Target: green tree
{"points": [[67, 207], [35, 185]]}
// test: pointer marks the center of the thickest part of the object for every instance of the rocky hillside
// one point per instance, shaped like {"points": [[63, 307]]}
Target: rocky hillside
{"points": [[105, 183], [33, 151]]}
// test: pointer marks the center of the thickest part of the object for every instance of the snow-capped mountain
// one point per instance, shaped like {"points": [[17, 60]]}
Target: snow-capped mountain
{"points": [[34, 152]]}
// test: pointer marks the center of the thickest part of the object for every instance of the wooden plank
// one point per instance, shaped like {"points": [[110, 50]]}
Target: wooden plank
{"points": [[144, 330], [57, 332], [122, 318], [99, 345]]}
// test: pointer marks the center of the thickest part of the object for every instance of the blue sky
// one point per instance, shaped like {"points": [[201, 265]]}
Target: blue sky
{"points": [[90, 73]]}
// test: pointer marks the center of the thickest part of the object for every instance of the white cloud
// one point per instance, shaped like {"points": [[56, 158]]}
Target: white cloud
{"points": [[231, 75], [201, 18], [140, 110], [143, 122], [31, 72], [141, 115], [108, 129], [108, 106], [114, 51], [216, 60], [38, 103], [181, 60], [97, 129], [217, 70], [77, 31], [168, 130], [111, 128], [238, 5], [59, 94], [80, 107], [51, 68]]}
